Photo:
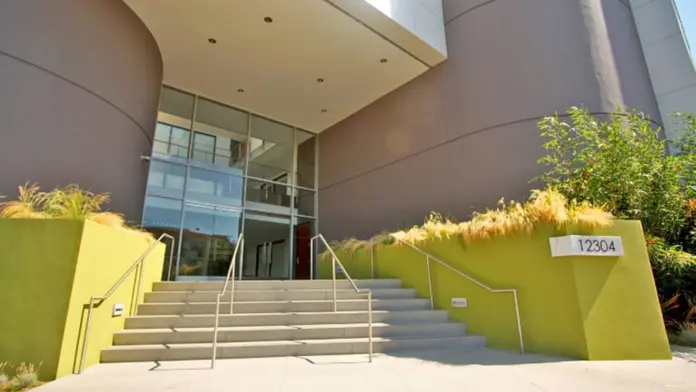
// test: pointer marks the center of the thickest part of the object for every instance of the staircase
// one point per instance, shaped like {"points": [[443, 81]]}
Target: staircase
{"points": [[281, 318]]}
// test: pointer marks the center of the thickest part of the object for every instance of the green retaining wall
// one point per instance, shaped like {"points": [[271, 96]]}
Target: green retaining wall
{"points": [[49, 269], [598, 308]]}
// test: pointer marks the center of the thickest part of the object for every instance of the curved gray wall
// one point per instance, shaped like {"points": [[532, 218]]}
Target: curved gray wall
{"points": [[464, 134], [79, 88]]}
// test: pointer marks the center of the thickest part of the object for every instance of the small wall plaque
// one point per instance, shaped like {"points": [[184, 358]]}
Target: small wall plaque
{"points": [[586, 245], [459, 303], [117, 311]]}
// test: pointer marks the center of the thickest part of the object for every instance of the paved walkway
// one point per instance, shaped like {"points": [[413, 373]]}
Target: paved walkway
{"points": [[429, 370]]}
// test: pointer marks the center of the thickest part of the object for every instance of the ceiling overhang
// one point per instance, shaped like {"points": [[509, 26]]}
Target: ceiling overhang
{"points": [[307, 63]]}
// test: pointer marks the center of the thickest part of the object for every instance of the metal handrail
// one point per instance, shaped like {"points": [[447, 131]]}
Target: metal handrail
{"points": [[138, 262], [230, 273], [429, 257], [368, 292]]}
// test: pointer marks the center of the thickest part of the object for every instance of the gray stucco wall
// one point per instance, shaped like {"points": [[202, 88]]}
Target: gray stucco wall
{"points": [[79, 88], [464, 134]]}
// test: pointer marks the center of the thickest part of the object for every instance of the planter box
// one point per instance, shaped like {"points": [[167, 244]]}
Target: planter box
{"points": [[598, 308], [49, 269]]}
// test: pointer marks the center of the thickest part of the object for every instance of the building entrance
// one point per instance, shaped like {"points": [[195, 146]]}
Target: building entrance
{"points": [[216, 172]]}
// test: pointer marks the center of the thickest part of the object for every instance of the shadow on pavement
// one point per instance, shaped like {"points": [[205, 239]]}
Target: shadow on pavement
{"points": [[483, 357]]}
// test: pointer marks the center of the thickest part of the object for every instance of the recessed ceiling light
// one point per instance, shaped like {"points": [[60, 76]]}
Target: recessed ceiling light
{"points": [[212, 40], [383, 61], [320, 80], [240, 90], [268, 19], [323, 110]]}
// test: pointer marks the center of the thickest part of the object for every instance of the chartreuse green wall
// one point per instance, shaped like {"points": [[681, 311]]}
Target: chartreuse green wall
{"points": [[37, 265], [49, 270], [596, 308], [105, 255]]}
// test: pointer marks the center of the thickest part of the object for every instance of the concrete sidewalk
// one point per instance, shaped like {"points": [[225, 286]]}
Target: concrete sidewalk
{"points": [[425, 370]]}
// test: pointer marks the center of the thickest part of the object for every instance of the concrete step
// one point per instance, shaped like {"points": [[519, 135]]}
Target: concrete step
{"points": [[274, 295], [299, 318], [281, 348], [285, 332], [277, 285], [281, 306]]}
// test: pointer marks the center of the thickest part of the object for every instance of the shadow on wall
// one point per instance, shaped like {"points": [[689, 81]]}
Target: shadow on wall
{"points": [[593, 308]]}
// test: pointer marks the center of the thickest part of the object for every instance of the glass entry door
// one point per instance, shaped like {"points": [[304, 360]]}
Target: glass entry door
{"points": [[271, 260], [208, 239], [267, 243]]}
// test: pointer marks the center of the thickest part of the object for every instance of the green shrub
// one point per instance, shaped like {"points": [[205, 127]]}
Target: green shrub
{"points": [[3, 375], [685, 335], [675, 278], [70, 202], [26, 376], [623, 163]]}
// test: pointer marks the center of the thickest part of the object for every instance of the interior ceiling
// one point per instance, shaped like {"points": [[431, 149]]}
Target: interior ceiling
{"points": [[276, 64]]}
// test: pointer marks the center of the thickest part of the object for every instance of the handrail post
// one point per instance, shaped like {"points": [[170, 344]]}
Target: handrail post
{"points": [[333, 274], [369, 322], [171, 260], [241, 261], [519, 323], [232, 288], [311, 259], [372, 259], [230, 274], [134, 310], [215, 331], [430, 283], [84, 343]]}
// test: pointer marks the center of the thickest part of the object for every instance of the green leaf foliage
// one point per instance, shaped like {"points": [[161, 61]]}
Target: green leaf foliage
{"points": [[622, 162]]}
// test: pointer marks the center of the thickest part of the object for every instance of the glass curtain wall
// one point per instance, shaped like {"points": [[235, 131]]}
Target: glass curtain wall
{"points": [[216, 172]]}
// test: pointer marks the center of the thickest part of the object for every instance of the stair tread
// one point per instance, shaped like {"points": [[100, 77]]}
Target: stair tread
{"points": [[292, 301], [285, 342], [283, 313], [278, 327], [281, 290]]}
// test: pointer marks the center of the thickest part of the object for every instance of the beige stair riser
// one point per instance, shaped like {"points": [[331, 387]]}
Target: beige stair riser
{"points": [[227, 320], [273, 295], [278, 307], [290, 333], [290, 349], [277, 285]]}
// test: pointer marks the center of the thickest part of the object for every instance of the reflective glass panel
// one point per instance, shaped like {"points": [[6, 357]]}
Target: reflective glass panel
{"points": [[271, 150], [203, 147], [208, 239], [170, 142], [166, 179], [304, 202], [269, 196], [163, 216], [176, 102], [214, 187], [306, 164], [226, 133]]}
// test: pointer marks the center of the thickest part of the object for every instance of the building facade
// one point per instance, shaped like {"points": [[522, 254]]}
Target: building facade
{"points": [[284, 119]]}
